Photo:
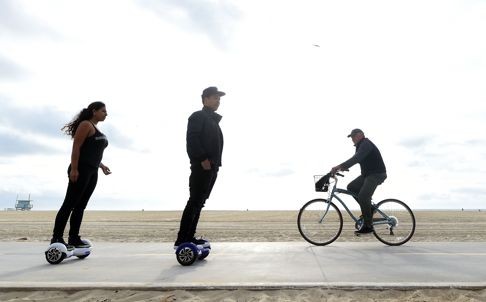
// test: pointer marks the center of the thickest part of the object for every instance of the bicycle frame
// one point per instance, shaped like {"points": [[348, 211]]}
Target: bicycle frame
{"points": [[336, 191], [320, 220]]}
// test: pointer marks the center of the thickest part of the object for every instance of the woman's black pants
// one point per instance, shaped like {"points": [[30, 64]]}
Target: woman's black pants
{"points": [[77, 197]]}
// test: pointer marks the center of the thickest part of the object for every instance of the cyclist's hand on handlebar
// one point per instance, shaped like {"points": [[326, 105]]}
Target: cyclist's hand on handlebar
{"points": [[335, 169]]}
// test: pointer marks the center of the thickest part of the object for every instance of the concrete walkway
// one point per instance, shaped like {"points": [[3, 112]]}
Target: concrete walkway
{"points": [[249, 265]]}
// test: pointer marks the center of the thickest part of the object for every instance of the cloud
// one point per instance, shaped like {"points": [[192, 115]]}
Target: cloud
{"points": [[14, 21], [417, 142], [476, 142], [272, 172], [475, 191], [8, 69], [34, 120], [469, 197], [280, 172], [47, 122], [452, 153], [116, 138], [215, 19], [13, 145]]}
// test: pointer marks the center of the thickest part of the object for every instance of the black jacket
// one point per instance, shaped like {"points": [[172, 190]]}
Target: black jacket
{"points": [[204, 139], [369, 158]]}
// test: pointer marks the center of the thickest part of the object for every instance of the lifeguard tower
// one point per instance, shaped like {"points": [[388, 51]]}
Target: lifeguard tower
{"points": [[23, 204]]}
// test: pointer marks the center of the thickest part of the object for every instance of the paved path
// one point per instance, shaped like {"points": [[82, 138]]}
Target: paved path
{"points": [[249, 265]]}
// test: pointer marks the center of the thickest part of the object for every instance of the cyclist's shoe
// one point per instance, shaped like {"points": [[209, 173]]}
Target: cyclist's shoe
{"points": [[364, 230], [77, 242], [61, 240]]}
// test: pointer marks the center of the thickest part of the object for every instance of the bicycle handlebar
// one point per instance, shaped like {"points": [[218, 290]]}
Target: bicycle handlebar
{"points": [[336, 174]]}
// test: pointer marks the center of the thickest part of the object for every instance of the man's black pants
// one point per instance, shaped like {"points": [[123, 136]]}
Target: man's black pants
{"points": [[201, 183], [364, 187], [77, 197]]}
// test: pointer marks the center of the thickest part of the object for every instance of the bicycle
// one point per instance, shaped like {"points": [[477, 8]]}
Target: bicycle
{"points": [[320, 221]]}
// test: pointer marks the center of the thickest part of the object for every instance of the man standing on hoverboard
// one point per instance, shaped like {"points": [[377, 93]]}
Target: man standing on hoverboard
{"points": [[205, 148], [373, 174]]}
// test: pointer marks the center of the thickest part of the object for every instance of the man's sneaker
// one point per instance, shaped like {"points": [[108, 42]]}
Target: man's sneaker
{"points": [[61, 240], [364, 230], [200, 242], [78, 243]]}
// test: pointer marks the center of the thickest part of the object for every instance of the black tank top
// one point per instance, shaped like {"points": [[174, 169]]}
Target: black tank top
{"points": [[92, 149]]}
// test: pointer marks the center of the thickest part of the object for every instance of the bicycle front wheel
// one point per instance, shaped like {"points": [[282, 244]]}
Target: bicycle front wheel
{"points": [[394, 222], [320, 222]]}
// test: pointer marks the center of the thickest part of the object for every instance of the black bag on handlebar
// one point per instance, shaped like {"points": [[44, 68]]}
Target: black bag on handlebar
{"points": [[323, 183]]}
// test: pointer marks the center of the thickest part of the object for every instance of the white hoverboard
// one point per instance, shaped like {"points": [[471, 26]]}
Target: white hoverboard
{"points": [[57, 252]]}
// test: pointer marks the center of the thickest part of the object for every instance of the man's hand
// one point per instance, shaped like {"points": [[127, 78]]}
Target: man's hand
{"points": [[206, 164], [335, 169]]}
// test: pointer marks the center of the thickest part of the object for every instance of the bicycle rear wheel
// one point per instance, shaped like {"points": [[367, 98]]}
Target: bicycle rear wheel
{"points": [[397, 223], [317, 226]]}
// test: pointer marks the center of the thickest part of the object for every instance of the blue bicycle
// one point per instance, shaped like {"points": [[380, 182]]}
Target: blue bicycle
{"points": [[320, 221]]}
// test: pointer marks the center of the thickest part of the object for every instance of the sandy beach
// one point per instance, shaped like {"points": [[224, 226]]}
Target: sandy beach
{"points": [[305, 295], [227, 226], [235, 226]]}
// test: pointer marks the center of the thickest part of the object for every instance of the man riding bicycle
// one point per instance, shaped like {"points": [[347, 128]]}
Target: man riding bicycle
{"points": [[373, 173]]}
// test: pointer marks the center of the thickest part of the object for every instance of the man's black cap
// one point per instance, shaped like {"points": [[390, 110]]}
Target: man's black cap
{"points": [[212, 91], [355, 131]]}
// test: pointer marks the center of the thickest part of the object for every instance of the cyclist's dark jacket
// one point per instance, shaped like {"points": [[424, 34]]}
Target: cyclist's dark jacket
{"points": [[369, 158], [204, 139]]}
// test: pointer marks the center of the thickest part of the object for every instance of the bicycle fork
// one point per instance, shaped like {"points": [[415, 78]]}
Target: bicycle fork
{"points": [[325, 213]]}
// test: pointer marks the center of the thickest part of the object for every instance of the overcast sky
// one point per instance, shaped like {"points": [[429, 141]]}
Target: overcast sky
{"points": [[299, 75]]}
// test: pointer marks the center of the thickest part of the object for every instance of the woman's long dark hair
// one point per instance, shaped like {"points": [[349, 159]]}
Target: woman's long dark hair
{"points": [[85, 114]]}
